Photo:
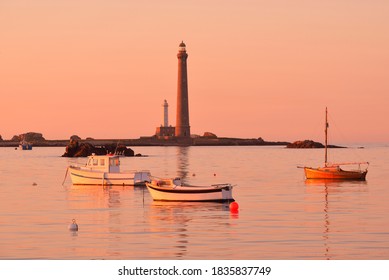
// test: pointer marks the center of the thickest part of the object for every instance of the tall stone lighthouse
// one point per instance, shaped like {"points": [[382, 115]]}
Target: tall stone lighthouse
{"points": [[182, 121]]}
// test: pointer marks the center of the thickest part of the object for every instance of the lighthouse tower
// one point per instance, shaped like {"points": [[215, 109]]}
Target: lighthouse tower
{"points": [[165, 131], [165, 114], [182, 121]]}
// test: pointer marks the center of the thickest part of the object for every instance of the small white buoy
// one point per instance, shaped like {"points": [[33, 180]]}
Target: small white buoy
{"points": [[73, 226]]}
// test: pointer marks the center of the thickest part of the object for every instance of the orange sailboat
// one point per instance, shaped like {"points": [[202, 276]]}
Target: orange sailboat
{"points": [[334, 170]]}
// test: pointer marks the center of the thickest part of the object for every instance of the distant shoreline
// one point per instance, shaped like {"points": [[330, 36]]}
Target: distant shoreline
{"points": [[152, 141]]}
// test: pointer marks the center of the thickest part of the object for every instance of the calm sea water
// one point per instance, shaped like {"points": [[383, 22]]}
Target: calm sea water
{"points": [[281, 216]]}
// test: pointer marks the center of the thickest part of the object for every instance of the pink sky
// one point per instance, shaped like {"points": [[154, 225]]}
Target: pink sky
{"points": [[256, 68]]}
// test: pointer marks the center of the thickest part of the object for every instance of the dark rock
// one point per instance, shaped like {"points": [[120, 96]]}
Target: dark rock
{"points": [[309, 144], [209, 135], [71, 149], [119, 150], [84, 150], [75, 137], [306, 144], [1, 139], [31, 137], [128, 152], [76, 149]]}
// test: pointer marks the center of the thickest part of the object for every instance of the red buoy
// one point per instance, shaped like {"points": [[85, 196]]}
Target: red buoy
{"points": [[234, 206]]}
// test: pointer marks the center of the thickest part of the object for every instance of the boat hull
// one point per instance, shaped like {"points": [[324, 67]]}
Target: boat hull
{"points": [[80, 176], [334, 174], [191, 193]]}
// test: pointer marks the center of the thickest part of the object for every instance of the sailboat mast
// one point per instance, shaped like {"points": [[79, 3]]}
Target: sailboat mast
{"points": [[326, 140]]}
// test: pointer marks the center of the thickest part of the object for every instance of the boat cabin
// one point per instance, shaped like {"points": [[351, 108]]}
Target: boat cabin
{"points": [[25, 145], [106, 163]]}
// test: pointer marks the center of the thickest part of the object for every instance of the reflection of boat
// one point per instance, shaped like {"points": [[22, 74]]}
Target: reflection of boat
{"points": [[334, 170], [174, 190], [334, 183], [105, 170], [179, 225], [23, 145], [328, 198]]}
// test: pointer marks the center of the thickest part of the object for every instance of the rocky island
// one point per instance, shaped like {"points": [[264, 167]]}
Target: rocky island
{"points": [[308, 144], [84, 147], [208, 139], [77, 149]]}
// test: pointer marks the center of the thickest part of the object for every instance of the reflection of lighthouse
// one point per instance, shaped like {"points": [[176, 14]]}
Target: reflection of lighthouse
{"points": [[182, 121]]}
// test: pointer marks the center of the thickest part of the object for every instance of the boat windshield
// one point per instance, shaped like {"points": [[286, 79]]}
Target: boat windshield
{"points": [[114, 161]]}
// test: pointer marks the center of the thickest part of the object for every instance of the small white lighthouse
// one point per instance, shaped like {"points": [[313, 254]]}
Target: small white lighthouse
{"points": [[165, 131], [165, 114]]}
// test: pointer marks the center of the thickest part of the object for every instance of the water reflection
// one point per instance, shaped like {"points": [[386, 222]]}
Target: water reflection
{"points": [[325, 188], [103, 212], [335, 184], [178, 222], [83, 196], [183, 162], [281, 217]]}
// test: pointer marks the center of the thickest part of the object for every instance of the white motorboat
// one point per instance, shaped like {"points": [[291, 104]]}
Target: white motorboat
{"points": [[174, 190], [105, 170]]}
